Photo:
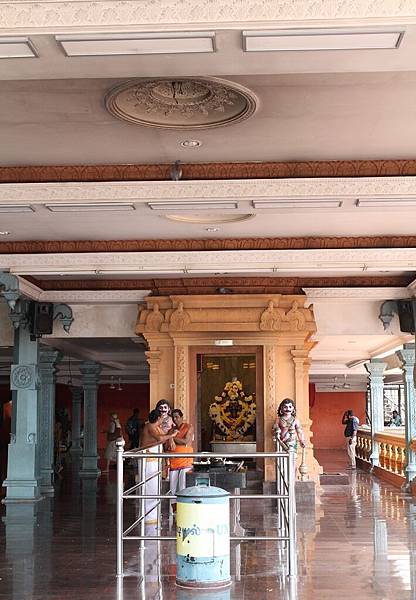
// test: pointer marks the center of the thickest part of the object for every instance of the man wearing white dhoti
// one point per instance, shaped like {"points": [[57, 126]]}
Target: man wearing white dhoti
{"points": [[153, 434]]}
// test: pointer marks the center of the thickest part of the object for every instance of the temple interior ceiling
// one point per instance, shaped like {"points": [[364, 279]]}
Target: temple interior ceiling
{"points": [[333, 105], [330, 116]]}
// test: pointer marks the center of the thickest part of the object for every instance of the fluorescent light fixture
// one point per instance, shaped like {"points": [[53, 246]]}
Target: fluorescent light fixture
{"points": [[194, 205], [16, 208], [319, 39], [90, 207], [17, 47], [138, 43], [386, 203], [298, 203]]}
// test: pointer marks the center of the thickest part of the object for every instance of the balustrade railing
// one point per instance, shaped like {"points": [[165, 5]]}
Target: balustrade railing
{"points": [[392, 450]]}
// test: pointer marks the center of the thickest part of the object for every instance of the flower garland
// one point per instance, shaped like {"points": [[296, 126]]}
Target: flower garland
{"points": [[233, 428]]}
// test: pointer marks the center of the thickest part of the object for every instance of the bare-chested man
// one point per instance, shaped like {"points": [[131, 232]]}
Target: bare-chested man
{"points": [[153, 435], [153, 432]]}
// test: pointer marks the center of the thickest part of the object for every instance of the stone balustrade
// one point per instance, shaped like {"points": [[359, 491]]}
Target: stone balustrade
{"points": [[392, 454]]}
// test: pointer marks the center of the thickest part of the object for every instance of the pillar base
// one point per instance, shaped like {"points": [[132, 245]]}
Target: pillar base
{"points": [[89, 473], [22, 490]]}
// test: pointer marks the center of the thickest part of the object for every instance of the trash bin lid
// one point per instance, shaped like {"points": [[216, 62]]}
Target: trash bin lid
{"points": [[202, 491]]}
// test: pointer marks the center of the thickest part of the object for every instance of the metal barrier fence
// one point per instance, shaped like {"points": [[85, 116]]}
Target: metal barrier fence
{"points": [[285, 459]]}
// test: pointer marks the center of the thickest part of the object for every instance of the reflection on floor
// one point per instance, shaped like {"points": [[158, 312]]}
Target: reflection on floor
{"points": [[359, 543]]}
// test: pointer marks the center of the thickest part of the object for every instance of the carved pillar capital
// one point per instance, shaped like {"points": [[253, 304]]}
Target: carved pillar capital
{"points": [[375, 369], [90, 372], [153, 358]]}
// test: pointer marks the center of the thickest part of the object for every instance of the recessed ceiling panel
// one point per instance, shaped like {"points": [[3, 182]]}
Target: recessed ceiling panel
{"points": [[16, 48], [303, 40], [144, 43]]}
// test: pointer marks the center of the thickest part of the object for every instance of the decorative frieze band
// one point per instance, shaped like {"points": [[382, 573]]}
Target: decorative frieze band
{"points": [[42, 16]]}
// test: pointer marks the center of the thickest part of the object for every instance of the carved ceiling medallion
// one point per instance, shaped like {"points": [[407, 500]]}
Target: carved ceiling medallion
{"points": [[185, 103]]}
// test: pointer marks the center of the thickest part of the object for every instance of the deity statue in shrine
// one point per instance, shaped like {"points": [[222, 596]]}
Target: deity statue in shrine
{"points": [[233, 414]]}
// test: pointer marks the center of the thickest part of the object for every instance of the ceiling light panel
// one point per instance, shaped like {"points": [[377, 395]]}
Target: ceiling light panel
{"points": [[16, 208], [143, 43], [386, 203], [298, 203], [90, 207], [194, 205], [312, 40], [17, 47]]}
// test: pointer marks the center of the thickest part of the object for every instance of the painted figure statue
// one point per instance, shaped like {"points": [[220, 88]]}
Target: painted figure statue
{"points": [[286, 426]]}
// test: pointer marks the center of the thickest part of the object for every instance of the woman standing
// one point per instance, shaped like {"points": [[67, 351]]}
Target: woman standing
{"points": [[113, 435], [180, 466]]}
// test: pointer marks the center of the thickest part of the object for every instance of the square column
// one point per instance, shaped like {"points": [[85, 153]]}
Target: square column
{"points": [[47, 371], [77, 394], [23, 475], [407, 356], [375, 369], [90, 375]]}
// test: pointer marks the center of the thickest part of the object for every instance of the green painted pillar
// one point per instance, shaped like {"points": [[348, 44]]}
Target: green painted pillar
{"points": [[90, 375], [23, 475], [47, 371], [77, 394], [407, 356], [375, 369]]}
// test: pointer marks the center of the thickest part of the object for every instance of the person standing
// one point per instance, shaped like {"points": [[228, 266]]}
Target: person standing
{"points": [[153, 435], [133, 429], [179, 466], [113, 435], [351, 423]]}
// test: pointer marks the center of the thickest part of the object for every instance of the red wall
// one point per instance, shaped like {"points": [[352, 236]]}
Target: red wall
{"points": [[326, 413], [122, 402]]}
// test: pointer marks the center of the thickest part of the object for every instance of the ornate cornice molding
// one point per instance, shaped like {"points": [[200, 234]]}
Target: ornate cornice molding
{"points": [[202, 171], [42, 16], [211, 285], [244, 190], [349, 294], [294, 243], [236, 261]]}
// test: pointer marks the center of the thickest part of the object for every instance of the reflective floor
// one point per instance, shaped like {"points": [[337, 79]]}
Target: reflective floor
{"points": [[359, 542]]}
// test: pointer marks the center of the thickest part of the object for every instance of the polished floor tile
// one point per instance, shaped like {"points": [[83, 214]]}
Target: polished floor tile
{"points": [[359, 542]]}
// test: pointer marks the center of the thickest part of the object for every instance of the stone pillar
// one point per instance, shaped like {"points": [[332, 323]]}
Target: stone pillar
{"points": [[90, 375], [153, 358], [76, 419], [161, 357], [375, 369], [47, 372], [23, 477], [302, 362], [407, 356]]}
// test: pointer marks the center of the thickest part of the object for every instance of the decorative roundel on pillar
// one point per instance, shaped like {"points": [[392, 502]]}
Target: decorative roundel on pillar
{"points": [[183, 103], [23, 377]]}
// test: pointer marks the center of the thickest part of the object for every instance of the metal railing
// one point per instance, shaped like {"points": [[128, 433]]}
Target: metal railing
{"points": [[284, 456]]}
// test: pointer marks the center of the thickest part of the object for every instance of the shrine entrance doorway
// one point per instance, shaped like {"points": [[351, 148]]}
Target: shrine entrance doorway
{"points": [[227, 384]]}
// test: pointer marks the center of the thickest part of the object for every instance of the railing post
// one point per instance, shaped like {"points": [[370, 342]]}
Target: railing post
{"points": [[375, 369], [407, 356], [292, 567], [120, 491]]}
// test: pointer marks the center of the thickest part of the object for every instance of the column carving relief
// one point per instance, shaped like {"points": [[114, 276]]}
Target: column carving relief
{"points": [[181, 379]]}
